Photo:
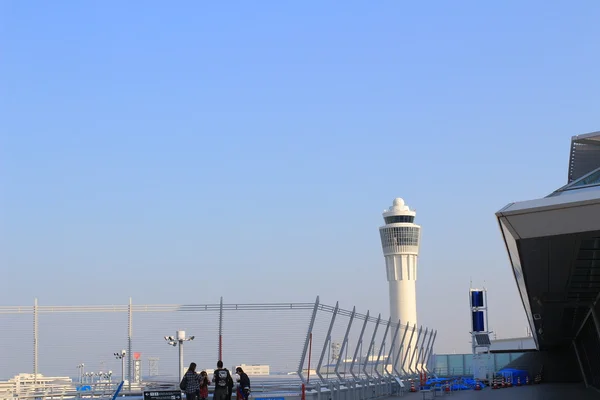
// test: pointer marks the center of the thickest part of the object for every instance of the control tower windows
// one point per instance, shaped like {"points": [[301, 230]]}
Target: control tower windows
{"points": [[399, 218], [400, 236]]}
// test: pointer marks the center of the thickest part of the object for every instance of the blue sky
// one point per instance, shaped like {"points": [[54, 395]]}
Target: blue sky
{"points": [[145, 147]]}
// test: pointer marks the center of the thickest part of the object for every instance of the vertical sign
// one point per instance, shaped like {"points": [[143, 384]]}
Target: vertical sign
{"points": [[137, 371]]}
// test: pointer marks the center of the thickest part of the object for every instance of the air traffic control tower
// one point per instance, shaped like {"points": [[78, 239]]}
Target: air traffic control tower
{"points": [[400, 238]]}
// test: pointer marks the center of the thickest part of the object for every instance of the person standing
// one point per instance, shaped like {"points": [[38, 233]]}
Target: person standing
{"points": [[222, 379], [244, 386], [190, 383], [204, 382]]}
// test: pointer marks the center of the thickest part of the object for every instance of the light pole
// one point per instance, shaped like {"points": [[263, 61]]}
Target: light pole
{"points": [[121, 356], [81, 368], [179, 338]]}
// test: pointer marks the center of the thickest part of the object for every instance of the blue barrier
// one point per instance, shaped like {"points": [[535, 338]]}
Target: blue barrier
{"points": [[455, 384]]}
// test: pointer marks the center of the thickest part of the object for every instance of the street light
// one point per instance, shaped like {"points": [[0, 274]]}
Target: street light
{"points": [[179, 338], [81, 368], [121, 356]]}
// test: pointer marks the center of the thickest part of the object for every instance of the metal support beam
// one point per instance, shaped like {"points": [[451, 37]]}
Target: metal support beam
{"points": [[414, 352], [326, 342], [390, 353], [580, 364], [371, 346], [35, 341], [419, 362], [344, 344], [409, 348], [426, 352], [311, 324], [596, 322], [358, 346], [430, 351], [400, 351], [387, 328]]}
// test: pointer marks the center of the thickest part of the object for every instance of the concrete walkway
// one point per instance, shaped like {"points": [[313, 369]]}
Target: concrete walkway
{"points": [[546, 391]]}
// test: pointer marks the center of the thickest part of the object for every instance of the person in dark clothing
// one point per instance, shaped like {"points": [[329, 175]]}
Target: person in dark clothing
{"points": [[190, 383], [222, 379], [244, 384]]}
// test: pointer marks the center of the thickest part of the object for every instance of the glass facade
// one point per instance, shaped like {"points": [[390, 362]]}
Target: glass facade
{"points": [[591, 179], [394, 219], [400, 236], [462, 364]]}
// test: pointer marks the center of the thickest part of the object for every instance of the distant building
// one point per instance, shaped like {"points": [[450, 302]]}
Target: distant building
{"points": [[24, 383], [254, 369]]}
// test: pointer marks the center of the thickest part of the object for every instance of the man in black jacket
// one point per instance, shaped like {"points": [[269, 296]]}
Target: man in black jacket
{"points": [[222, 379]]}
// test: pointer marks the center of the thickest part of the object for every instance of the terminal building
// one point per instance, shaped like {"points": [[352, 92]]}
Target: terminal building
{"points": [[553, 244]]}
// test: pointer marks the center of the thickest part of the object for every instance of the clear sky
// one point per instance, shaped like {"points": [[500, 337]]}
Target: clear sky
{"points": [[147, 149]]}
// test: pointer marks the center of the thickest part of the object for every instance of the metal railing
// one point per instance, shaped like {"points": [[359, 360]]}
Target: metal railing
{"points": [[293, 344]]}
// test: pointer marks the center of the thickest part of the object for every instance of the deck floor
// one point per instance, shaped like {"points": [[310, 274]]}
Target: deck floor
{"points": [[547, 391]]}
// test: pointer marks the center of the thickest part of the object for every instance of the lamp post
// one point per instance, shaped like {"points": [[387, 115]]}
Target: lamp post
{"points": [[121, 356], [81, 368], [179, 338]]}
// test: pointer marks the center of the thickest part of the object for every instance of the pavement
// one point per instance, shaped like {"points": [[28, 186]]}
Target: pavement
{"points": [[545, 391]]}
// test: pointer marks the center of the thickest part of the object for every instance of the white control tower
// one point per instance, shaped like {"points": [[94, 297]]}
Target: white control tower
{"points": [[400, 238]]}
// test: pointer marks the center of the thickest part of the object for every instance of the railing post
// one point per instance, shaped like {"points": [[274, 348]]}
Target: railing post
{"points": [[424, 356], [429, 351], [35, 341], [418, 362], [129, 337], [414, 352], [326, 343], [344, 344], [390, 358], [308, 341], [358, 344], [410, 348], [387, 328], [371, 343], [221, 329], [400, 351]]}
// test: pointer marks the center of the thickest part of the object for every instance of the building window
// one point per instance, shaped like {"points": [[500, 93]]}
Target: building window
{"points": [[400, 236], [394, 219]]}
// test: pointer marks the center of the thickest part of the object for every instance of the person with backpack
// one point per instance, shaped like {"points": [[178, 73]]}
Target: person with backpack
{"points": [[222, 379], [190, 384], [243, 391]]}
